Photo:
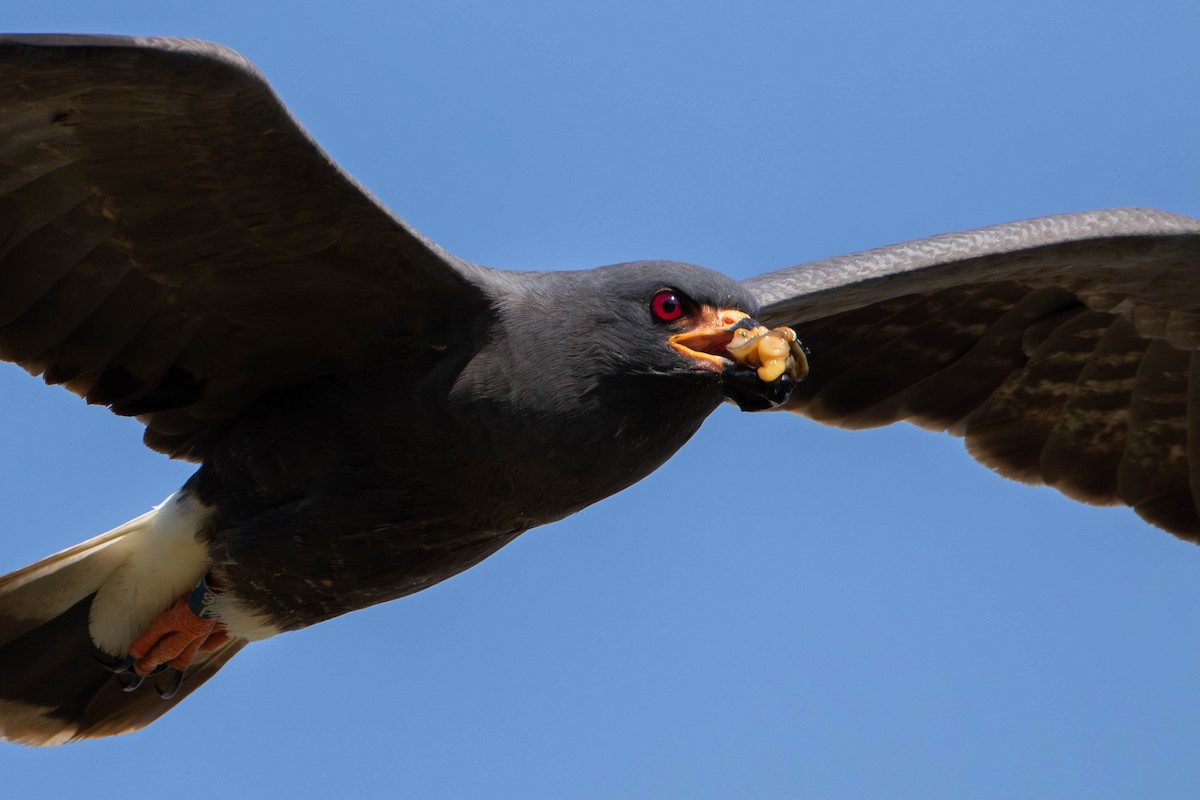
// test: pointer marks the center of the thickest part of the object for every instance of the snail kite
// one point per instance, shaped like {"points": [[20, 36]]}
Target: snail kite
{"points": [[372, 415]]}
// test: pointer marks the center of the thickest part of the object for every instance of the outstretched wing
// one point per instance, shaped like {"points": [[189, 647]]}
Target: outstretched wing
{"points": [[173, 244], [1064, 350]]}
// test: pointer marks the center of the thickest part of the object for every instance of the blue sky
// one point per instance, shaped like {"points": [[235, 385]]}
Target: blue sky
{"points": [[884, 617]]}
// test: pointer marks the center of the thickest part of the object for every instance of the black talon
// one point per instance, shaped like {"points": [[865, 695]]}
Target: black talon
{"points": [[130, 681], [112, 663], [173, 685]]}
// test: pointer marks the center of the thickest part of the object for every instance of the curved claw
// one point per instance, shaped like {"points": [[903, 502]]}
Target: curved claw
{"points": [[112, 663], [130, 681], [173, 684]]}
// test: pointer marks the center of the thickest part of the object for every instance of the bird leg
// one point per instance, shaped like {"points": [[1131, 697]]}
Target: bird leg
{"points": [[172, 641], [175, 637]]}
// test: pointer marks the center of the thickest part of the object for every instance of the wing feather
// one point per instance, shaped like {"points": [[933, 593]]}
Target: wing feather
{"points": [[173, 244], [1084, 429], [1063, 349], [1153, 474]]}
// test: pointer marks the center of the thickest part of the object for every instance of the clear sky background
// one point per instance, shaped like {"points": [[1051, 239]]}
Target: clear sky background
{"points": [[871, 614]]}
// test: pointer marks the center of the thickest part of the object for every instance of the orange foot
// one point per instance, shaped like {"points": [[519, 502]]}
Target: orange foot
{"points": [[174, 638]]}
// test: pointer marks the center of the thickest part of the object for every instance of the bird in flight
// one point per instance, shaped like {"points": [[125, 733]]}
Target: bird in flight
{"points": [[372, 415]]}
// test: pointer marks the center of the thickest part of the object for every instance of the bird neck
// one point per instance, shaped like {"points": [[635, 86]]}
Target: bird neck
{"points": [[548, 458]]}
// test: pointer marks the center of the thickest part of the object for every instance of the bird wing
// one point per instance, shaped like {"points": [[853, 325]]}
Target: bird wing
{"points": [[1063, 349], [173, 244]]}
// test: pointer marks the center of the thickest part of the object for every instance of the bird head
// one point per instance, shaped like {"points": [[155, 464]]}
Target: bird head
{"points": [[661, 319]]}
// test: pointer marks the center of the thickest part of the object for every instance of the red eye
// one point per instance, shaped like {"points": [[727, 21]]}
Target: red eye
{"points": [[667, 306]]}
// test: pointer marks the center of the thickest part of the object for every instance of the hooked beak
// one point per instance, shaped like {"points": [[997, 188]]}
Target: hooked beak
{"points": [[759, 368]]}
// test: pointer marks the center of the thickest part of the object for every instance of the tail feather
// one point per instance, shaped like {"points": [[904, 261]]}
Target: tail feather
{"points": [[111, 710], [37, 593], [53, 689]]}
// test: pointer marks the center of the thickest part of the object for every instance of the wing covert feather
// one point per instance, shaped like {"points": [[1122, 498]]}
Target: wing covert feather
{"points": [[1062, 348], [173, 244]]}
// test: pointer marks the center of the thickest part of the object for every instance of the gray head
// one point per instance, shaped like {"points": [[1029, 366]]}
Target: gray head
{"points": [[629, 329]]}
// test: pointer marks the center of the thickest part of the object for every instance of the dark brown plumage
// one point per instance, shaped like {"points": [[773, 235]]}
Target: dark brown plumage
{"points": [[373, 415], [1060, 348], [113, 147]]}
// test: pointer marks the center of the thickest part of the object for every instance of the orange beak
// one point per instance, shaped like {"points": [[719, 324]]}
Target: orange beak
{"points": [[708, 341]]}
